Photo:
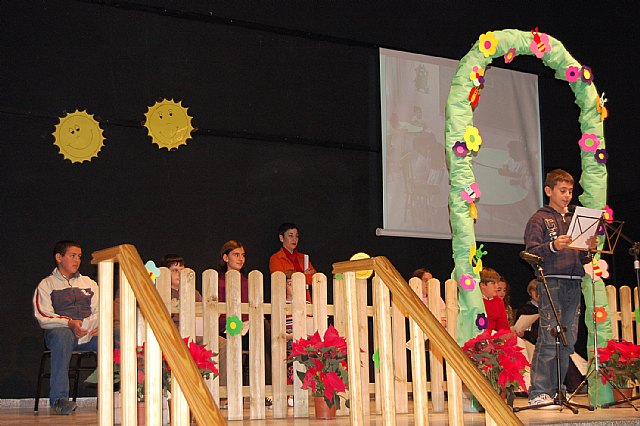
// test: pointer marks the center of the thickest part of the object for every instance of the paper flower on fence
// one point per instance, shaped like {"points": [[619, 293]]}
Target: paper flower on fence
{"points": [[376, 359], [600, 313], [589, 142], [153, 270], [234, 325], [488, 43], [572, 73], [510, 55], [467, 282]]}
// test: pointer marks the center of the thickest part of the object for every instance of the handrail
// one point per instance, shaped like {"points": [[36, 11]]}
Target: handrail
{"points": [[411, 305], [154, 311]]}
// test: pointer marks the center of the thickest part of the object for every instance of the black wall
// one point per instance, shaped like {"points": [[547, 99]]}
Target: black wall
{"points": [[285, 99]]}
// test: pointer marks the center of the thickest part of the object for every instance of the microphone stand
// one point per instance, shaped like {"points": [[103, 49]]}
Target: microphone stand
{"points": [[559, 333]]}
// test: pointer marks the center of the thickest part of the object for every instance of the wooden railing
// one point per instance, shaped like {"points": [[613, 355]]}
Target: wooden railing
{"points": [[162, 336], [389, 280]]}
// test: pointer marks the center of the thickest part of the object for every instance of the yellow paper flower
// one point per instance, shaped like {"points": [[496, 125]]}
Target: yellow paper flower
{"points": [[488, 43], [472, 138]]}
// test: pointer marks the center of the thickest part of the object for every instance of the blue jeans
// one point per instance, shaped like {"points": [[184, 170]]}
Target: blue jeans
{"points": [[62, 342], [566, 297]]}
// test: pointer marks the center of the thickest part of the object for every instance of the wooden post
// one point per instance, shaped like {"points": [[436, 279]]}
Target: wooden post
{"points": [[399, 339], [152, 379], [299, 305], [234, 348], [435, 356], [363, 322], [320, 316], [278, 345], [626, 313], [256, 346], [128, 352], [105, 344], [418, 366], [210, 323], [353, 349], [383, 331], [455, 410]]}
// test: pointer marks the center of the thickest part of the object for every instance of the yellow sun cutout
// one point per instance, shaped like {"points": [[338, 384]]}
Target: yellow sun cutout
{"points": [[169, 124], [79, 136]]}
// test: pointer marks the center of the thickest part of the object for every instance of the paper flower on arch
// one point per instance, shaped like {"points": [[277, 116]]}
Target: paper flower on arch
{"points": [[600, 314], [471, 193], [510, 55], [586, 75], [482, 322], [572, 73], [474, 96], [598, 270], [460, 149], [589, 142], [608, 214], [234, 325], [477, 76], [472, 138], [467, 282], [540, 43], [604, 112], [601, 156], [488, 43], [154, 271]]}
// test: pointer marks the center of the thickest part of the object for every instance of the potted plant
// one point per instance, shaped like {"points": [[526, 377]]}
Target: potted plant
{"points": [[325, 360], [620, 364], [500, 360]]}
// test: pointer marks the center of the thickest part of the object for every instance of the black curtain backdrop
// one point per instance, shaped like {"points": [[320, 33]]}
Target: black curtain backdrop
{"points": [[285, 99]]}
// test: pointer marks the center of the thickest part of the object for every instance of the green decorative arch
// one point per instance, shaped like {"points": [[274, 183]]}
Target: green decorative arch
{"points": [[459, 120]]}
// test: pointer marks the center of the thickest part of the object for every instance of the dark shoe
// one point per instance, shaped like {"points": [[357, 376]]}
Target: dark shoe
{"points": [[522, 394], [64, 407]]}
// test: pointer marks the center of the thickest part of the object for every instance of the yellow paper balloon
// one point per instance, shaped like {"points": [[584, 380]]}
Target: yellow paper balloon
{"points": [[363, 275]]}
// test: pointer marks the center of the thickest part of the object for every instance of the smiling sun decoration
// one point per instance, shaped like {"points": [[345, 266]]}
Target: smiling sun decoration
{"points": [[79, 137], [169, 124]]}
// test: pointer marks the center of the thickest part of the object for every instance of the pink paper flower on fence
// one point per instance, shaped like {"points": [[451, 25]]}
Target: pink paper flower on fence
{"points": [[589, 142]]}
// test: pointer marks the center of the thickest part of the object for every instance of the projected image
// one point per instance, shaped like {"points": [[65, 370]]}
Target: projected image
{"points": [[414, 89]]}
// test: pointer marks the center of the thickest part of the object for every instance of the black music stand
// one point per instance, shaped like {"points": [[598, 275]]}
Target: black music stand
{"points": [[559, 334]]}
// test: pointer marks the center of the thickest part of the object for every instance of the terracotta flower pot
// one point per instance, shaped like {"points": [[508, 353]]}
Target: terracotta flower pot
{"points": [[322, 409], [627, 392]]}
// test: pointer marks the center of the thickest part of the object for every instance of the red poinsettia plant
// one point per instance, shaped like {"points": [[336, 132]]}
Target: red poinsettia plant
{"points": [[202, 356], [325, 360], [620, 363], [500, 359]]}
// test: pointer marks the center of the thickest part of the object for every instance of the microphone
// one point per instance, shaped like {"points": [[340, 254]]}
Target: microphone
{"points": [[529, 257]]}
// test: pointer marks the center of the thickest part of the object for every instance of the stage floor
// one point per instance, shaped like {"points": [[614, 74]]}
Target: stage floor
{"points": [[87, 415]]}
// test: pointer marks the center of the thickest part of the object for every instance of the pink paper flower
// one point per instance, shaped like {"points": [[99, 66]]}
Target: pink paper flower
{"points": [[467, 282], [589, 142], [510, 55], [460, 149], [482, 322], [572, 73]]}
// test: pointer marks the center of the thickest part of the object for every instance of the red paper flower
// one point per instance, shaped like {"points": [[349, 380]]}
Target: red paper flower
{"points": [[600, 314]]}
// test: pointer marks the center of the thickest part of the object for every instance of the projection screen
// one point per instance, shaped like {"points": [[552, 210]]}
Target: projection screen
{"points": [[414, 91]]}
